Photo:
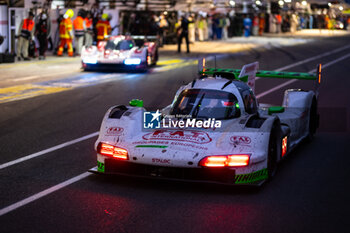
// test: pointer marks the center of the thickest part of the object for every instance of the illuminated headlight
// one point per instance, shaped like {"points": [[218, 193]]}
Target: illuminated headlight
{"points": [[89, 60], [132, 61]]}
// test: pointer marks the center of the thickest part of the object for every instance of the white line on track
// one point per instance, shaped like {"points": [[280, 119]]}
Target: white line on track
{"points": [[294, 80], [313, 58], [48, 150], [86, 174], [43, 193]]}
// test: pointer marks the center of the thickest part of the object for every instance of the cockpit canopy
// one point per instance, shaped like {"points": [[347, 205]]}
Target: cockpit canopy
{"points": [[116, 44], [206, 103]]}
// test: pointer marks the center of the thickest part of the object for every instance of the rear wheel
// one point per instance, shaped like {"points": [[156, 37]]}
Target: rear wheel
{"points": [[155, 58]]}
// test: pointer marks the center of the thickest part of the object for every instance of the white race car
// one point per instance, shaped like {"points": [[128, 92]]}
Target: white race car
{"points": [[121, 53], [214, 131]]}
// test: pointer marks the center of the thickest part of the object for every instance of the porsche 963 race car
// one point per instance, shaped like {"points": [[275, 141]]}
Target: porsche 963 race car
{"points": [[214, 130], [121, 53]]}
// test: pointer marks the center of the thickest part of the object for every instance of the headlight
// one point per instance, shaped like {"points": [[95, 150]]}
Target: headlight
{"points": [[89, 60], [132, 61]]}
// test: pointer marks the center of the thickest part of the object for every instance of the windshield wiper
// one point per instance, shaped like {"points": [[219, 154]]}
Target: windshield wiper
{"points": [[196, 109]]}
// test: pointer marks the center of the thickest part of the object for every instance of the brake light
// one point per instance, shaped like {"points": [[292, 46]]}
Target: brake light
{"points": [[225, 161], [284, 145], [113, 151]]}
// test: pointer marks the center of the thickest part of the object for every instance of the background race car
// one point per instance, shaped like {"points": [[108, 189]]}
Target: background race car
{"points": [[121, 52], [214, 131]]}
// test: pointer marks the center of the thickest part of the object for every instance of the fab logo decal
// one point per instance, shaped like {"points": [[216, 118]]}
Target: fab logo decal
{"points": [[114, 131], [240, 140]]}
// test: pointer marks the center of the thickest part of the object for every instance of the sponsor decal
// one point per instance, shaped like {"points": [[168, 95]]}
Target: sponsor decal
{"points": [[114, 131], [162, 161], [193, 136], [239, 140], [251, 177], [100, 167]]}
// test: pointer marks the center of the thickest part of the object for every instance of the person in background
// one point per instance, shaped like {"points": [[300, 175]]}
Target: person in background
{"points": [[247, 22], [66, 33], [278, 23], [163, 27], [293, 23], [220, 25], [311, 21], [202, 24], [261, 24], [255, 25], [43, 32], [191, 29], [89, 33], [183, 33], [103, 28], [79, 32], [227, 24], [26, 33]]}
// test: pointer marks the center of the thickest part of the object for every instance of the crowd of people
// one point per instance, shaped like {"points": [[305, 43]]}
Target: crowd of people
{"points": [[170, 27], [82, 31]]}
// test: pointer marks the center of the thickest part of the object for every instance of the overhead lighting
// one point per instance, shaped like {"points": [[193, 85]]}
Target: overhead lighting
{"points": [[329, 4], [258, 2], [281, 3], [341, 8], [304, 3], [287, 1], [232, 3]]}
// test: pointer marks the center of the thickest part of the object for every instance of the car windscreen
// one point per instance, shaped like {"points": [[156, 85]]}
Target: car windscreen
{"points": [[119, 45], [204, 103]]}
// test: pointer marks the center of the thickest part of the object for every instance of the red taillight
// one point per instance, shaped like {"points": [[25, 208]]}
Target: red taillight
{"points": [[284, 145], [225, 161], [113, 151]]}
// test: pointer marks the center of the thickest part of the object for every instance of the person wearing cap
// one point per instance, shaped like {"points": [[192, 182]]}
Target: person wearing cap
{"points": [[43, 32], [79, 32], [66, 33], [103, 28], [26, 33]]}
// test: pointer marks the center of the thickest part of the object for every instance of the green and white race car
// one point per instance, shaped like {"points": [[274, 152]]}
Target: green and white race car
{"points": [[214, 130]]}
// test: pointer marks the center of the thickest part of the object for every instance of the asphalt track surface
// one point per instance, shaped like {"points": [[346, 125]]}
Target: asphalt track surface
{"points": [[308, 194]]}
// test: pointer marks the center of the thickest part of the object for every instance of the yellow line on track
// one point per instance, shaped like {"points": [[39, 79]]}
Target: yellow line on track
{"points": [[56, 60], [26, 91]]}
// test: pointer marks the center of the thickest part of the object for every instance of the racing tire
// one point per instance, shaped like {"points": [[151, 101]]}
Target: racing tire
{"points": [[313, 120], [155, 58], [273, 151]]}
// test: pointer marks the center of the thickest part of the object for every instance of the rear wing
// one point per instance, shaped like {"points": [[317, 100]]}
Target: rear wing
{"points": [[141, 39], [253, 69]]}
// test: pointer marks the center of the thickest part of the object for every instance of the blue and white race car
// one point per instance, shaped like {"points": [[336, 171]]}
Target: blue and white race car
{"points": [[121, 53], [214, 131]]}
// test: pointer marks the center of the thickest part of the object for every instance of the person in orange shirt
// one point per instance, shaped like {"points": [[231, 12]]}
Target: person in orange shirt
{"points": [[66, 33], [26, 32], [89, 33], [261, 24], [103, 28], [79, 31]]}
